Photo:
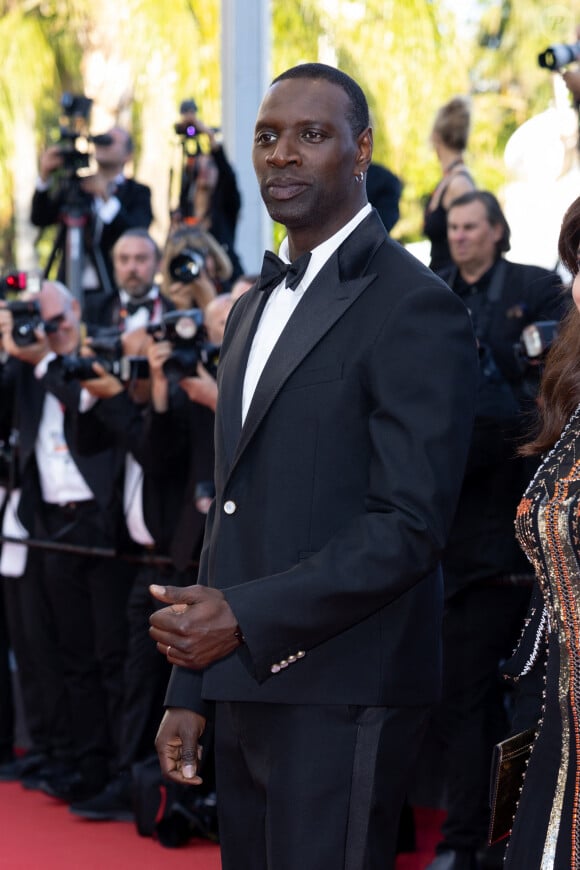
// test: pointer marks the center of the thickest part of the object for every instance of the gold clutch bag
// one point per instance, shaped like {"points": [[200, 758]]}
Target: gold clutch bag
{"points": [[510, 759]]}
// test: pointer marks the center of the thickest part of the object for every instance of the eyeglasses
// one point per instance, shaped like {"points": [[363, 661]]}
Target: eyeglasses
{"points": [[53, 324]]}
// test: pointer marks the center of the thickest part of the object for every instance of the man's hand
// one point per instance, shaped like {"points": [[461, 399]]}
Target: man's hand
{"points": [[158, 354], [105, 386], [49, 161], [198, 629], [196, 294], [136, 342], [203, 389], [572, 80], [178, 747]]}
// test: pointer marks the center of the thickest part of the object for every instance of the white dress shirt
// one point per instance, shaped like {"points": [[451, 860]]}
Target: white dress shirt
{"points": [[60, 479], [282, 303]]}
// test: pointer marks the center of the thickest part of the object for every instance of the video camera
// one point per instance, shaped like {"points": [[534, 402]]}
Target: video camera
{"points": [[74, 124], [557, 56], [186, 332]]}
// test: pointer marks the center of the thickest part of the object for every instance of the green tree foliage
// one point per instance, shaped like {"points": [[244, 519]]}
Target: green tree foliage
{"points": [[409, 56]]}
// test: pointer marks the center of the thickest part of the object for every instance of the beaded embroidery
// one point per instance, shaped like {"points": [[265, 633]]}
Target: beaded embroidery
{"points": [[548, 529]]}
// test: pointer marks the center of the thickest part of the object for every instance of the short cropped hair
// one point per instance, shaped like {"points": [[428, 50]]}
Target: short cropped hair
{"points": [[140, 233], [358, 115]]}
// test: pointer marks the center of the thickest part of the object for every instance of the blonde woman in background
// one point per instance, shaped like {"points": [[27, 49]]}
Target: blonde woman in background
{"points": [[449, 138]]}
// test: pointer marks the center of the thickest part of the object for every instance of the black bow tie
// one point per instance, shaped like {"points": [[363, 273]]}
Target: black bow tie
{"points": [[135, 305], [274, 270]]}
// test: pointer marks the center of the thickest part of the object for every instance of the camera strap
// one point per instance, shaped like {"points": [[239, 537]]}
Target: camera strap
{"points": [[492, 297]]}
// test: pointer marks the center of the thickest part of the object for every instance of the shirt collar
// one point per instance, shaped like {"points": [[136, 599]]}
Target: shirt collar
{"points": [[321, 253], [125, 297]]}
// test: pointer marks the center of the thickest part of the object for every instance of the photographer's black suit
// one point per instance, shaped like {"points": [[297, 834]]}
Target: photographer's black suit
{"points": [[176, 452], [333, 505], [484, 569], [135, 198], [84, 596]]}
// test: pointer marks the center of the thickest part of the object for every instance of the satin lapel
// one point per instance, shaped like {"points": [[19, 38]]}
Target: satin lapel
{"points": [[232, 366], [325, 301]]}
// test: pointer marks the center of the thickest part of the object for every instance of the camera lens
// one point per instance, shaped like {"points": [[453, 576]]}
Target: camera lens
{"points": [[186, 266]]}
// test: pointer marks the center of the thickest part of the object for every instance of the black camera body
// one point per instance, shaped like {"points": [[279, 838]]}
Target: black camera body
{"points": [[187, 265], [25, 314], [185, 129], [557, 56], [108, 353], [185, 330], [74, 122], [26, 319]]}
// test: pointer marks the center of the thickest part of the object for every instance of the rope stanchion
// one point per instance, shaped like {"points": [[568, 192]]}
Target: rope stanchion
{"points": [[97, 552]]}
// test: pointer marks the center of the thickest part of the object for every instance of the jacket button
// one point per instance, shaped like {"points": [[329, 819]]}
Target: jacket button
{"points": [[275, 669], [230, 507]]}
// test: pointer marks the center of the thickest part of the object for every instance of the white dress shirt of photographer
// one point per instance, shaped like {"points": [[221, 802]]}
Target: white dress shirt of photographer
{"points": [[136, 258]]}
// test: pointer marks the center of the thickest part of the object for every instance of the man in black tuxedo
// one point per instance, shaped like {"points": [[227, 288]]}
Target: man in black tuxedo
{"points": [[342, 427], [71, 501], [138, 300], [111, 202]]}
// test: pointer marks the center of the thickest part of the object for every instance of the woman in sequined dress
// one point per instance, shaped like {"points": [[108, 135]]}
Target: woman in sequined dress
{"points": [[546, 831]]}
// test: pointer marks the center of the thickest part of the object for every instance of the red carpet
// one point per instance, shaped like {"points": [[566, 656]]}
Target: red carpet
{"points": [[38, 833]]}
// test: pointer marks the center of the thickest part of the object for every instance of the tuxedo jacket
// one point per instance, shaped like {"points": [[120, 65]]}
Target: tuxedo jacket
{"points": [[335, 498]]}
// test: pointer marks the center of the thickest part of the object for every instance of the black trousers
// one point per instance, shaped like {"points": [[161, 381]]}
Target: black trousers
{"points": [[6, 700], [88, 598], [146, 671], [481, 626], [311, 787], [34, 642]]}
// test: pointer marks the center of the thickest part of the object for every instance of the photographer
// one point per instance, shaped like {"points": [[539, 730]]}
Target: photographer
{"points": [[209, 195], [487, 577], [72, 503], [138, 301], [195, 268], [112, 203], [167, 483]]}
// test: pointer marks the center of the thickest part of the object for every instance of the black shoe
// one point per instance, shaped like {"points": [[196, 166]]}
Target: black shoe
{"points": [[453, 859], [113, 804], [14, 770], [51, 769], [70, 787]]}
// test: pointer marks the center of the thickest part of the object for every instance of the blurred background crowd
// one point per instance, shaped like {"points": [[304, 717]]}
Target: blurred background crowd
{"points": [[120, 266]]}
